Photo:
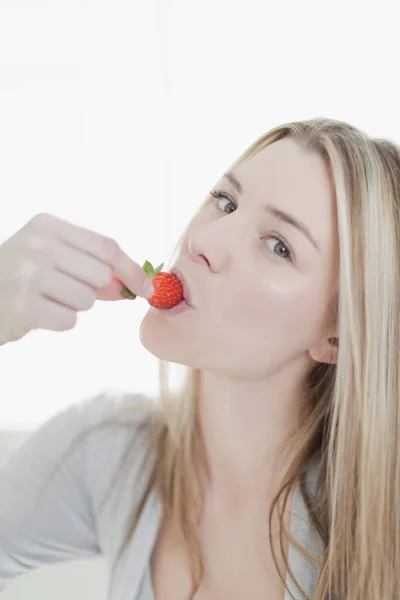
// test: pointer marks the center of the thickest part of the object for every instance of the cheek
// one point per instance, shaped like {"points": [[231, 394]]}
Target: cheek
{"points": [[252, 305], [283, 305], [266, 296]]}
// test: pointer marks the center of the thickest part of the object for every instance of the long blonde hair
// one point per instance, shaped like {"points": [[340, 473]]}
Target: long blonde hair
{"points": [[352, 427]]}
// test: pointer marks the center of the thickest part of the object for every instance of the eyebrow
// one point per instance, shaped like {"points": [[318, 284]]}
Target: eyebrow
{"points": [[234, 181], [276, 212]]}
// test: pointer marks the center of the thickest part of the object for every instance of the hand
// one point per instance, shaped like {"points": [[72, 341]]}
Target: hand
{"points": [[52, 269]]}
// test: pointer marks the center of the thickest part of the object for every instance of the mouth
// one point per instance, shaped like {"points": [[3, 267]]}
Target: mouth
{"points": [[186, 291]]}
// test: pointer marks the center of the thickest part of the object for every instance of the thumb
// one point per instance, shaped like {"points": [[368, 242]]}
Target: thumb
{"points": [[112, 291]]}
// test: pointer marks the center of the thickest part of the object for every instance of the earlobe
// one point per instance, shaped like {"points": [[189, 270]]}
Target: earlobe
{"points": [[327, 352]]}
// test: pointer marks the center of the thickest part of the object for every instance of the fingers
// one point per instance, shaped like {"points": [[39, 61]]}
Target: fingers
{"points": [[47, 314], [81, 266], [61, 288], [133, 276], [52, 269], [105, 250], [111, 292]]}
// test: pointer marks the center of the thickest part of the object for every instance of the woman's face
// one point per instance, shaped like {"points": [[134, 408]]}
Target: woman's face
{"points": [[261, 263]]}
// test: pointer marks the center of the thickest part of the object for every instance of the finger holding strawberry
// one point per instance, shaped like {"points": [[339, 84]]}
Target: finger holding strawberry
{"points": [[51, 270], [168, 290]]}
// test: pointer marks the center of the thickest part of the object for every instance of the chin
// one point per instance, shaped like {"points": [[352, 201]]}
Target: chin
{"points": [[162, 339]]}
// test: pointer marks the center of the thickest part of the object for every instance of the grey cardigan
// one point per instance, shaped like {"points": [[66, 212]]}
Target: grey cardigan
{"points": [[65, 520]]}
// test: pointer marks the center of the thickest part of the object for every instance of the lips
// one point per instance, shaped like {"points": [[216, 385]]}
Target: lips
{"points": [[186, 291]]}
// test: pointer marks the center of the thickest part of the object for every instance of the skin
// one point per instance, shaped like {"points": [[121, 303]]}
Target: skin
{"points": [[261, 319], [260, 323]]}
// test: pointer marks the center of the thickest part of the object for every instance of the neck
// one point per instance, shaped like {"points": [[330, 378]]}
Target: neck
{"points": [[244, 424]]}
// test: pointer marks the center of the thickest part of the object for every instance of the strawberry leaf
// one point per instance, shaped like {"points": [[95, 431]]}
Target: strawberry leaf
{"points": [[148, 268], [159, 269], [127, 293]]}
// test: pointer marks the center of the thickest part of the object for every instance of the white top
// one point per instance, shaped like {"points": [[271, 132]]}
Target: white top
{"points": [[65, 522], [146, 589]]}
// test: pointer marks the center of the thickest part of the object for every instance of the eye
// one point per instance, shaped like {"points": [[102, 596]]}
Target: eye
{"points": [[222, 196], [283, 249], [225, 203]]}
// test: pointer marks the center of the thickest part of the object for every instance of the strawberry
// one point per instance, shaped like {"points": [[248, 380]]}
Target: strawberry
{"points": [[168, 290]]}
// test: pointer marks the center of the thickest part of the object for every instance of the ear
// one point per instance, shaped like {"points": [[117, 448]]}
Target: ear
{"points": [[327, 351]]}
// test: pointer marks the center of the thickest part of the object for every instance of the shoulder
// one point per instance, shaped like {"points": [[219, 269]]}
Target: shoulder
{"points": [[121, 406], [115, 421], [117, 440], [108, 418], [105, 421], [118, 458]]}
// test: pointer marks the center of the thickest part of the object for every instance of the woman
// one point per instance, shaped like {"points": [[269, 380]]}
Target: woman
{"points": [[274, 472]]}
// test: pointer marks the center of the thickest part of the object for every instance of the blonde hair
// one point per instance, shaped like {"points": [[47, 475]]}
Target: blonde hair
{"points": [[352, 425]]}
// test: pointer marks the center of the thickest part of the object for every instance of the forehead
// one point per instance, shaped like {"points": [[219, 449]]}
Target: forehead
{"points": [[292, 179]]}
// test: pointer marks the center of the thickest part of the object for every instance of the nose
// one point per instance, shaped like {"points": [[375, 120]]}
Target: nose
{"points": [[205, 245]]}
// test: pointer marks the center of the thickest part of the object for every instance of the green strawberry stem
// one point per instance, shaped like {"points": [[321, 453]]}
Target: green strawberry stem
{"points": [[150, 271]]}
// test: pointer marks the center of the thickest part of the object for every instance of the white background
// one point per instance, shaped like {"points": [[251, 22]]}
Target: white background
{"points": [[120, 116]]}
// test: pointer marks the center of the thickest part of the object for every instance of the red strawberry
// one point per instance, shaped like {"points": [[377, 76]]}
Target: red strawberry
{"points": [[168, 290]]}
